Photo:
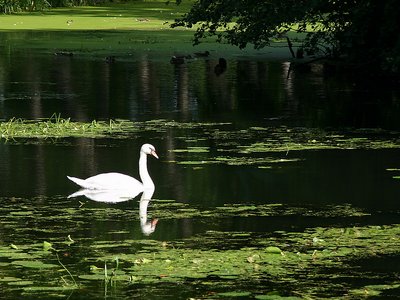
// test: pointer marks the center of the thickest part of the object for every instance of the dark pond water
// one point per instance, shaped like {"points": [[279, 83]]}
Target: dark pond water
{"points": [[210, 195]]}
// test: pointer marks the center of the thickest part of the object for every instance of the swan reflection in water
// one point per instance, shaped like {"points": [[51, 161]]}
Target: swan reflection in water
{"points": [[148, 226], [117, 187]]}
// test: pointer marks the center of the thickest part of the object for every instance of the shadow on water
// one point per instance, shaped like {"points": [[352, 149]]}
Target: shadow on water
{"points": [[242, 209], [140, 85]]}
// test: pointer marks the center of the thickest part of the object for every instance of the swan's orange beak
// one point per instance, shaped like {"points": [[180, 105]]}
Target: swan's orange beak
{"points": [[153, 152], [154, 222]]}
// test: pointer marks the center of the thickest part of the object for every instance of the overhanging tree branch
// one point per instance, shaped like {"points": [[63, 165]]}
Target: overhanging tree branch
{"points": [[362, 31]]}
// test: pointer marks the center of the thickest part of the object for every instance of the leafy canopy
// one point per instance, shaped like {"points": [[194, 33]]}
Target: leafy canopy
{"points": [[364, 31]]}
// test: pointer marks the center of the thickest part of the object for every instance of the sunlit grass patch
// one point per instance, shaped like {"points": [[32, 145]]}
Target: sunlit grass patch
{"points": [[145, 15], [109, 29]]}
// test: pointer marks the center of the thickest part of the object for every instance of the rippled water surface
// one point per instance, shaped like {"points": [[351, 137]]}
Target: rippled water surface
{"points": [[267, 185]]}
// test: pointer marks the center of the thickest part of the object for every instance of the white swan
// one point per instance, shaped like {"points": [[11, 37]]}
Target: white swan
{"points": [[118, 181]]}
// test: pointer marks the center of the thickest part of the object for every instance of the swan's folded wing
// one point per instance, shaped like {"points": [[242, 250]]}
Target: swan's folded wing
{"points": [[83, 183], [114, 181]]}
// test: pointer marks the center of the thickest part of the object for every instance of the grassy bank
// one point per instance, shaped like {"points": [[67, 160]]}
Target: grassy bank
{"points": [[136, 15], [112, 29]]}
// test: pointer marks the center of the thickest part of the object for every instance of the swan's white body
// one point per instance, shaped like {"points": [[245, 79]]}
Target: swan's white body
{"points": [[121, 183], [108, 181]]}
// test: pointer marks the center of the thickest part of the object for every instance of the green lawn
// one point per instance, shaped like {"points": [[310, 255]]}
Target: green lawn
{"points": [[113, 29], [136, 15]]}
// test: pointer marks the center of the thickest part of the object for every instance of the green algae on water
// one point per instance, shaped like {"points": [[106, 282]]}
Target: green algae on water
{"points": [[282, 260], [232, 146], [277, 259]]}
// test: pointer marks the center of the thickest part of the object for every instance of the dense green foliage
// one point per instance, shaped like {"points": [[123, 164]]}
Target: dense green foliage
{"points": [[366, 32], [12, 6]]}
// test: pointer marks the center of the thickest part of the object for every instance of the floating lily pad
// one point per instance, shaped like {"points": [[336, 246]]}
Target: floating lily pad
{"points": [[16, 254], [114, 276], [234, 294], [34, 264], [276, 297], [9, 279], [21, 282], [49, 288], [273, 250], [374, 290], [192, 150]]}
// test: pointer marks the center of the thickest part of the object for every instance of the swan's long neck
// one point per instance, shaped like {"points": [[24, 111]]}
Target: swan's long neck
{"points": [[144, 173]]}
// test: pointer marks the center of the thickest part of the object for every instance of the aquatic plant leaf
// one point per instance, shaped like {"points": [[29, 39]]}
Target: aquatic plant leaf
{"points": [[9, 279], [234, 294], [92, 276], [276, 297], [49, 288], [34, 264], [14, 246], [16, 255], [47, 246], [95, 269], [142, 260], [273, 250], [21, 283], [192, 150], [373, 290]]}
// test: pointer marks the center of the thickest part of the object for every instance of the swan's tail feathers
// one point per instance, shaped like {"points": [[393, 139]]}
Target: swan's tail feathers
{"points": [[77, 194], [79, 181]]}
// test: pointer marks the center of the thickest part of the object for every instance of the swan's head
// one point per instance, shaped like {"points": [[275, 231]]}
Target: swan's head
{"points": [[149, 150]]}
